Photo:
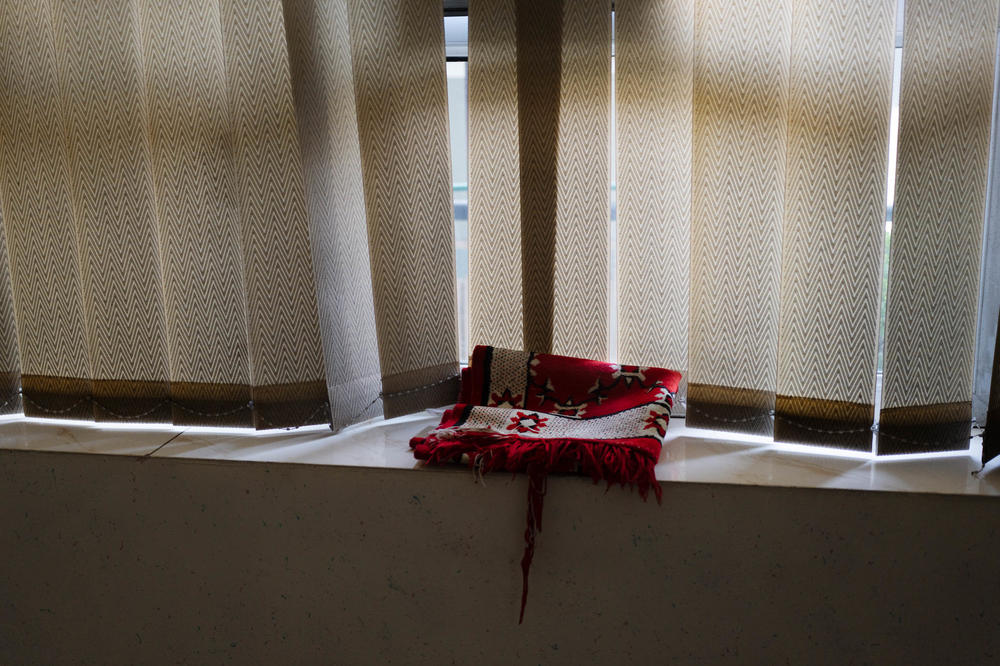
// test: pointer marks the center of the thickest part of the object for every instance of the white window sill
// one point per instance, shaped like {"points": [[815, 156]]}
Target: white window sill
{"points": [[689, 455]]}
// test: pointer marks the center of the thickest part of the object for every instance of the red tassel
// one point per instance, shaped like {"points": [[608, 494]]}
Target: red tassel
{"points": [[602, 461], [489, 451], [537, 482]]}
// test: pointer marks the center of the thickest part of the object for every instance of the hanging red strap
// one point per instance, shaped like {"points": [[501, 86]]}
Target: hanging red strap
{"points": [[537, 482]]}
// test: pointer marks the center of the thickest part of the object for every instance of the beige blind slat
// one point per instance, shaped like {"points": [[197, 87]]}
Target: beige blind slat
{"points": [[41, 235], [403, 129], [101, 73], [539, 55], [838, 124], [289, 383], [944, 129], [580, 326], [539, 124], [10, 366], [654, 44], [320, 53], [495, 269], [741, 80], [191, 150]]}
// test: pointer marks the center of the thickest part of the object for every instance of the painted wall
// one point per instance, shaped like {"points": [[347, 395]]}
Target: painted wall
{"points": [[118, 560]]}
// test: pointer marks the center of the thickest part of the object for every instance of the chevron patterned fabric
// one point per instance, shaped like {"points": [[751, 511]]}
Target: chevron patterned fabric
{"points": [[838, 136], [402, 115], [741, 80], [164, 262], [285, 345], [41, 232], [230, 212], [320, 54], [580, 324], [944, 135], [539, 81], [103, 100], [654, 44], [199, 216], [496, 312], [538, 53], [10, 367]]}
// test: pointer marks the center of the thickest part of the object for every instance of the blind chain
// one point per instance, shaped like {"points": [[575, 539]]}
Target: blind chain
{"points": [[417, 389], [308, 420], [173, 403], [846, 431], [10, 398], [383, 394], [248, 405]]}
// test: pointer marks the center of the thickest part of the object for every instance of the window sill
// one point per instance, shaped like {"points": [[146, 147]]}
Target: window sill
{"points": [[689, 455]]}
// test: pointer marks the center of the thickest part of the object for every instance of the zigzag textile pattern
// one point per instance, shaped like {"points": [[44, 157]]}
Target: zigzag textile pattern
{"points": [[41, 234], [99, 62], [10, 370], [831, 249], [654, 44], [539, 124], [741, 79], [944, 134], [496, 312], [402, 117], [580, 286], [320, 55], [191, 151], [154, 211]]}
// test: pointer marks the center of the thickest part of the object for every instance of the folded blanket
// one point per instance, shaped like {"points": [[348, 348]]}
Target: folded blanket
{"points": [[540, 413]]}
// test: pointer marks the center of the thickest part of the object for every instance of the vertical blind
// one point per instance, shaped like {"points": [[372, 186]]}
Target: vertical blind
{"points": [[319, 52], [399, 76], [496, 294], [539, 82], [752, 154], [944, 134], [740, 100], [654, 56], [10, 370], [239, 213], [840, 83], [189, 191]]}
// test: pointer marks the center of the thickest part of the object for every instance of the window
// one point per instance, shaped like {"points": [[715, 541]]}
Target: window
{"points": [[456, 37]]}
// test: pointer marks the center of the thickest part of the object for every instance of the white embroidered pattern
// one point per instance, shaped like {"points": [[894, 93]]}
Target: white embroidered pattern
{"points": [[648, 420]]}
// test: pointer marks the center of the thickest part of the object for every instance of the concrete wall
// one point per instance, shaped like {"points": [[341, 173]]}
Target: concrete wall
{"points": [[117, 560]]}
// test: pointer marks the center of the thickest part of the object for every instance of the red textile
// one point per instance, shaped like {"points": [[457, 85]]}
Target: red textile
{"points": [[540, 413]]}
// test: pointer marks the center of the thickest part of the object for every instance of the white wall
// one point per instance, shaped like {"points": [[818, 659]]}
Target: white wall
{"points": [[117, 560]]}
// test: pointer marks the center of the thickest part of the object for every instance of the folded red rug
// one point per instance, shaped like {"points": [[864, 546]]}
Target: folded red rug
{"points": [[540, 413]]}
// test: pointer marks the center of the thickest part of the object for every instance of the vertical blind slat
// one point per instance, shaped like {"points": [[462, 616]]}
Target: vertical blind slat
{"points": [[944, 132], [191, 151], [287, 370], [495, 269], [539, 63], [101, 71], [320, 54], [402, 107], [741, 78], [654, 52], [10, 366], [42, 238], [838, 124], [580, 286]]}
